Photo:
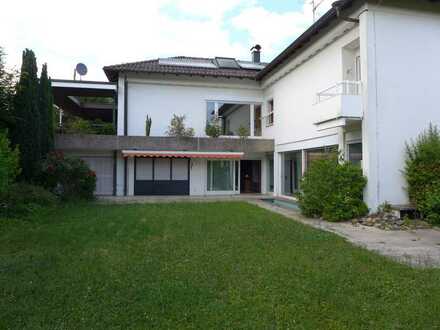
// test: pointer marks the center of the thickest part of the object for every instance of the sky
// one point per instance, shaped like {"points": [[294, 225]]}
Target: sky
{"points": [[63, 33]]}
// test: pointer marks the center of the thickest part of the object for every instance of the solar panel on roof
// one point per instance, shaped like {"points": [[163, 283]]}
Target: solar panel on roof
{"points": [[187, 62], [251, 65], [227, 63]]}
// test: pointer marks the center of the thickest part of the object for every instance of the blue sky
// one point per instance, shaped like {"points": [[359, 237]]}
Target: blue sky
{"points": [[63, 33]]}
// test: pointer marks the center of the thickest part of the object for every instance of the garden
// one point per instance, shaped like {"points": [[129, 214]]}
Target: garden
{"points": [[32, 174], [199, 265]]}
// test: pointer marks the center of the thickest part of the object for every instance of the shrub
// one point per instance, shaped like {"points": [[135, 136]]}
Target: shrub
{"points": [[422, 172], [68, 177], [9, 164], [214, 128], [79, 126], [333, 191], [178, 128], [23, 198]]}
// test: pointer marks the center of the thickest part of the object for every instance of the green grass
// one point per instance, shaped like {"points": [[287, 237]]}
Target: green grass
{"points": [[216, 265]]}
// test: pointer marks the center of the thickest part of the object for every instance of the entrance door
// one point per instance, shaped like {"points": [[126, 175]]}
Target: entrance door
{"points": [[250, 176]]}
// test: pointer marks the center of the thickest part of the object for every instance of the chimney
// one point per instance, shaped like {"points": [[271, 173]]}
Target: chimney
{"points": [[256, 52]]}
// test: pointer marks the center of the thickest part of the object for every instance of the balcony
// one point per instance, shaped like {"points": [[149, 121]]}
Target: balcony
{"points": [[339, 105]]}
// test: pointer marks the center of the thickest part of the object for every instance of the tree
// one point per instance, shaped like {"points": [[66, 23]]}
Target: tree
{"points": [[45, 106], [26, 132], [7, 91], [9, 160], [177, 127]]}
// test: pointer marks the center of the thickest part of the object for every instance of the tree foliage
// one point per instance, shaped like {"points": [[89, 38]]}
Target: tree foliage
{"points": [[7, 91], [177, 127], [333, 191], [26, 132], [9, 164], [45, 105], [422, 173]]}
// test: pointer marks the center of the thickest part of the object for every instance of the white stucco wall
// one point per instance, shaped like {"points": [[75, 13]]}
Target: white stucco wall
{"points": [[400, 50], [162, 97], [294, 90]]}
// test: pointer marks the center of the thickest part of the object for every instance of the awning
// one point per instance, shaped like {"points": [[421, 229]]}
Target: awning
{"points": [[182, 154]]}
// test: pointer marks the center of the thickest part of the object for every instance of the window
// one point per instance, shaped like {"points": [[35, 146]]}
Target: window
{"points": [[321, 153], [232, 116], [144, 169], [180, 169], [355, 153], [358, 69], [162, 169], [220, 175], [257, 120], [270, 110]]}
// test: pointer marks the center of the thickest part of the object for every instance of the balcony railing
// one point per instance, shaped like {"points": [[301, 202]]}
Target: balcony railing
{"points": [[345, 87], [339, 105]]}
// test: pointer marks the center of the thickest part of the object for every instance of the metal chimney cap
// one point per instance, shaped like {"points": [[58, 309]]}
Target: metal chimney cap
{"points": [[257, 48]]}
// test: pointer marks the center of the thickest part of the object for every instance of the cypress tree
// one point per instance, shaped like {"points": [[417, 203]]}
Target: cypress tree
{"points": [[7, 90], [46, 112], [26, 133]]}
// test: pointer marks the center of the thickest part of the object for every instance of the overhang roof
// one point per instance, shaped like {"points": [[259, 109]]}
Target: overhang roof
{"points": [[182, 154], [66, 93]]}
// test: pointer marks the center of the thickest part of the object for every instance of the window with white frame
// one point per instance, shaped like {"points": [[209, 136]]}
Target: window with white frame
{"points": [[220, 175], [270, 111], [355, 153]]}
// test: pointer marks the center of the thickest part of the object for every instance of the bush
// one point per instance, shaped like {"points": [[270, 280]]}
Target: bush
{"points": [[68, 177], [422, 173], [214, 128], [9, 164], [23, 198], [333, 191]]}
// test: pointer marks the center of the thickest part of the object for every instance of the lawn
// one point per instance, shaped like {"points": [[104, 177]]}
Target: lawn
{"points": [[206, 265]]}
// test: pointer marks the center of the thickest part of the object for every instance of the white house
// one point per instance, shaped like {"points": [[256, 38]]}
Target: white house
{"points": [[363, 79]]}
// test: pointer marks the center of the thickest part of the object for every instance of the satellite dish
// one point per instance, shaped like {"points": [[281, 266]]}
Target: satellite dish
{"points": [[81, 69]]}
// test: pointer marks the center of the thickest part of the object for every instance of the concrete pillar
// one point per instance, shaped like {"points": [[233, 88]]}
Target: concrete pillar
{"points": [[342, 144], [130, 176], [252, 117], [278, 173]]}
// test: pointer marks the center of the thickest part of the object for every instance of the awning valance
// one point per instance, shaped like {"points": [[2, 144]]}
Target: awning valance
{"points": [[182, 154]]}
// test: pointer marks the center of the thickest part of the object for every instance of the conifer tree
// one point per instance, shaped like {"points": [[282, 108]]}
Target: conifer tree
{"points": [[46, 113], [26, 133]]}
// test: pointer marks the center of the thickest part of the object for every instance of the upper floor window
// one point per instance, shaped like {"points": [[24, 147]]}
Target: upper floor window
{"points": [[270, 111]]}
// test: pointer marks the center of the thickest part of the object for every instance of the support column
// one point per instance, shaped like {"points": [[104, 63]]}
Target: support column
{"points": [[252, 119], [278, 173], [342, 155]]}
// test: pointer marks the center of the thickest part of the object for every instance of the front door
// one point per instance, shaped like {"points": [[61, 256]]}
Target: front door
{"points": [[250, 176]]}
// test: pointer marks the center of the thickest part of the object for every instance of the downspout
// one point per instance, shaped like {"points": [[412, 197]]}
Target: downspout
{"points": [[125, 105]]}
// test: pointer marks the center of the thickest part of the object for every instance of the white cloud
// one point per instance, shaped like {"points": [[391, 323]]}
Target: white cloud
{"points": [[273, 30], [99, 33]]}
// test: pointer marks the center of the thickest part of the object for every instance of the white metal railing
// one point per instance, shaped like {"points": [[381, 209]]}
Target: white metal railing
{"points": [[346, 87]]}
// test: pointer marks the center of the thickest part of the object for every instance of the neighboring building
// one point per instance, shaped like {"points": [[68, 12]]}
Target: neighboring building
{"points": [[363, 79]]}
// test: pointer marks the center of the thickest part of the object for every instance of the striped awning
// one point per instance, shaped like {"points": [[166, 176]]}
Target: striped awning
{"points": [[182, 154]]}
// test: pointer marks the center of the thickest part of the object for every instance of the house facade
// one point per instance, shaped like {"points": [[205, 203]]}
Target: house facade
{"points": [[362, 80]]}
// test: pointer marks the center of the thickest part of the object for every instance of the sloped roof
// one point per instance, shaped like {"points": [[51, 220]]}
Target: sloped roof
{"points": [[194, 66]]}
